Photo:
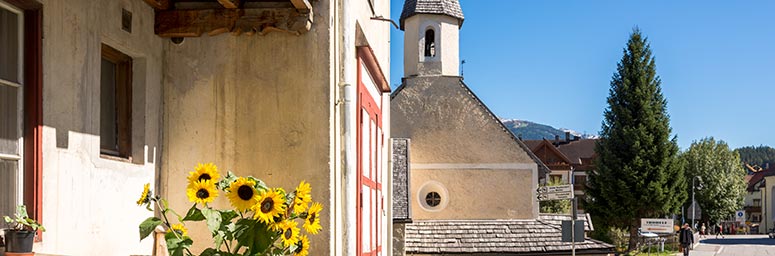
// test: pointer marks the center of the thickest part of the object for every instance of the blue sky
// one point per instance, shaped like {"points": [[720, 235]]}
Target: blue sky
{"points": [[551, 61]]}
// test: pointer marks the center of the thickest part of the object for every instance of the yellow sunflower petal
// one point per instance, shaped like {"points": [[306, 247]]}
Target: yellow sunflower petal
{"points": [[144, 196], [303, 197], [202, 192], [303, 244], [290, 233], [312, 222], [269, 205], [206, 171], [242, 194], [180, 229]]}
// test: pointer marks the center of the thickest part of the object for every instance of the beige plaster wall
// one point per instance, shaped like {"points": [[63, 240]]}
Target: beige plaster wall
{"points": [[447, 38], [87, 198], [447, 125], [476, 194], [768, 204]]}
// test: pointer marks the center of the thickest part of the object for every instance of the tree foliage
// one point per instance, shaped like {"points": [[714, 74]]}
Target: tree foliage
{"points": [[723, 179], [555, 206], [638, 174], [760, 155]]}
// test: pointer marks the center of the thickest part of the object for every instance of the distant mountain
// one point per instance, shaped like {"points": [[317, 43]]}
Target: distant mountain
{"points": [[535, 131]]}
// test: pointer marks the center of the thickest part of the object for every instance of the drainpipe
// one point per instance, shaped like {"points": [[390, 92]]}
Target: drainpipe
{"points": [[347, 81]]}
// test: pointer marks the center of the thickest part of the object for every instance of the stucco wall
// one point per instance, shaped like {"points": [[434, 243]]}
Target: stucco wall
{"points": [[475, 194], [88, 201], [457, 143], [447, 39]]}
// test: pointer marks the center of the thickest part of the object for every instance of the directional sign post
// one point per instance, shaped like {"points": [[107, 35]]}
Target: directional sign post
{"points": [[564, 192]]}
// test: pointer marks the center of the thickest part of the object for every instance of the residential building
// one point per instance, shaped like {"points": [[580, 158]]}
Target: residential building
{"points": [[756, 206], [98, 98], [468, 176], [571, 157]]}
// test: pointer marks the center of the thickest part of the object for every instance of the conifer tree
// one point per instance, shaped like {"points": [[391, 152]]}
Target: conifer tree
{"points": [[637, 171]]}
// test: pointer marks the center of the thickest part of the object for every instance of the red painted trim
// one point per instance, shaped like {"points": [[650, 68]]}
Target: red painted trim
{"points": [[33, 108], [370, 60]]}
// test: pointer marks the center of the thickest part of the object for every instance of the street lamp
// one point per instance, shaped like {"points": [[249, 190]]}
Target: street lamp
{"points": [[694, 204]]}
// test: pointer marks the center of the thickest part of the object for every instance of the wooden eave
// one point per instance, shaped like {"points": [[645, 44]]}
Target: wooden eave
{"points": [[192, 18], [549, 147], [370, 61]]}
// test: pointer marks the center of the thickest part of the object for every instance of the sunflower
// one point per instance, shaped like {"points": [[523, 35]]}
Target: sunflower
{"points": [[144, 196], [180, 229], [290, 233], [312, 223], [202, 191], [303, 197], [303, 245], [269, 205], [206, 171], [242, 194]]}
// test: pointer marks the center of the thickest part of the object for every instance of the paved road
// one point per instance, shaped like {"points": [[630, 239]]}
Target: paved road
{"points": [[735, 245]]}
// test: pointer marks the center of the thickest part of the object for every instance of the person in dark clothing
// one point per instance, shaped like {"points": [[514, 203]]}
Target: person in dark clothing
{"points": [[719, 231], [686, 238]]}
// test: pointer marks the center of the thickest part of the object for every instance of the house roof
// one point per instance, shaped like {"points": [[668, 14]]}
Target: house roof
{"points": [[556, 219], [758, 176], [502, 237], [443, 7], [402, 211], [578, 149]]}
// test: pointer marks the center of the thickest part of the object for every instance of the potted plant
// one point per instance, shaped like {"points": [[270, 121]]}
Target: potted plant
{"points": [[21, 232]]}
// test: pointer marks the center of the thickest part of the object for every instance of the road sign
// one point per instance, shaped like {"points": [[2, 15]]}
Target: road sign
{"points": [[555, 196], [563, 192], [555, 189], [656, 225], [578, 231], [740, 216]]}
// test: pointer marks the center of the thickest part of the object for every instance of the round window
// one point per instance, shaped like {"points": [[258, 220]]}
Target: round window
{"points": [[433, 199], [432, 196]]}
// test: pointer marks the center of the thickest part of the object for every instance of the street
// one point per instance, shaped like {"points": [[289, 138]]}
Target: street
{"points": [[735, 245]]}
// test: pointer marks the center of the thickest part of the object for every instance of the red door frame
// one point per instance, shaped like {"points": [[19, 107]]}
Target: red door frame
{"points": [[367, 102]]}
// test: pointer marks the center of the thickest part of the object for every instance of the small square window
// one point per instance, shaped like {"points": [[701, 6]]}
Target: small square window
{"points": [[115, 103]]}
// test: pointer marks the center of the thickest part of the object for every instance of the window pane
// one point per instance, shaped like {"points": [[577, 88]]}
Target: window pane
{"points": [[9, 120], [108, 127], [366, 221], [8, 189], [365, 139], [9, 46]]}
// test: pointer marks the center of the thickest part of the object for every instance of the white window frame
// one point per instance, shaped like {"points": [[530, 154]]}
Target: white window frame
{"points": [[19, 156]]}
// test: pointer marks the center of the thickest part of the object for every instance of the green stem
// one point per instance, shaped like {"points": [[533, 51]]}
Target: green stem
{"points": [[169, 226]]}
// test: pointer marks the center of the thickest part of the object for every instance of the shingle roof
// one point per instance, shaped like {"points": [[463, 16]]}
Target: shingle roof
{"points": [[556, 219], [402, 211], [510, 237], [444, 7], [576, 150]]}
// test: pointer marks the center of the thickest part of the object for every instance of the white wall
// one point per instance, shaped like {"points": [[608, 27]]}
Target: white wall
{"points": [[89, 201], [447, 32]]}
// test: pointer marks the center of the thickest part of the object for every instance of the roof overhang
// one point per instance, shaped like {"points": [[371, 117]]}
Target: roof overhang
{"points": [[192, 18]]}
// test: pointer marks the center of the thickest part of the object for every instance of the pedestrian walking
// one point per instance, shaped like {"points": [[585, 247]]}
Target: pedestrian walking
{"points": [[686, 238], [702, 231], [719, 231]]}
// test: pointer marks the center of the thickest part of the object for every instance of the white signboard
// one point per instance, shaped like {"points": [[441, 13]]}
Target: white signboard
{"points": [[563, 192], [740, 216], [556, 189], [656, 225]]}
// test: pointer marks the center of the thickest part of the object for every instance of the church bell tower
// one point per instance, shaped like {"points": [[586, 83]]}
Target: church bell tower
{"points": [[431, 37]]}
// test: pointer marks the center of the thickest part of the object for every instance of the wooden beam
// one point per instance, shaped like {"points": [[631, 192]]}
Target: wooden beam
{"points": [[193, 23], [231, 4], [158, 4], [302, 5]]}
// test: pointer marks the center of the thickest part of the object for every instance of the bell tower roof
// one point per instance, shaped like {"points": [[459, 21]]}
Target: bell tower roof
{"points": [[441, 7]]}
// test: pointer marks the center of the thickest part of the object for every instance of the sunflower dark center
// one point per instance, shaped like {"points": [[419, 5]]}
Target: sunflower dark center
{"points": [[266, 205], [204, 176], [312, 217], [288, 233], [245, 192], [202, 193]]}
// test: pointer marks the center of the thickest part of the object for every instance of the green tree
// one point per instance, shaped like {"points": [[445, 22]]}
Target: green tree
{"points": [[723, 179], [761, 155], [555, 206], [638, 173]]}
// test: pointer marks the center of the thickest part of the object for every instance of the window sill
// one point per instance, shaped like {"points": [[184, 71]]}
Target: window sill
{"points": [[116, 158]]}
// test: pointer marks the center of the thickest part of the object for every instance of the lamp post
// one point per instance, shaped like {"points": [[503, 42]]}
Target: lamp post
{"points": [[694, 204]]}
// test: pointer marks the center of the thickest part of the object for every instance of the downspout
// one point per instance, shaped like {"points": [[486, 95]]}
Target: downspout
{"points": [[347, 81]]}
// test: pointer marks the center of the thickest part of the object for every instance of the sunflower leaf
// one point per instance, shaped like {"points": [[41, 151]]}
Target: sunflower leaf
{"points": [[194, 214], [209, 252], [147, 226], [218, 238], [213, 218]]}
